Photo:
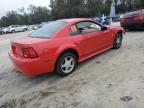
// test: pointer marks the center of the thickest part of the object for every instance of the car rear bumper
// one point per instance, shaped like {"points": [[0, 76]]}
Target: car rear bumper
{"points": [[31, 67]]}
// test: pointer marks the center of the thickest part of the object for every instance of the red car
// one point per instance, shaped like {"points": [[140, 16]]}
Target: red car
{"points": [[60, 45], [133, 20]]}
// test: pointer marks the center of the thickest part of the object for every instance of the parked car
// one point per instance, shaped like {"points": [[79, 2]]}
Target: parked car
{"points": [[5, 30], [116, 18], [1, 32], [32, 27], [133, 20], [60, 45], [17, 28], [35, 27], [107, 21], [43, 23]]}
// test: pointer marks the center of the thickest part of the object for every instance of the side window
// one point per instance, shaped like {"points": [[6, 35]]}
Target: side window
{"points": [[74, 30], [85, 27], [14, 26]]}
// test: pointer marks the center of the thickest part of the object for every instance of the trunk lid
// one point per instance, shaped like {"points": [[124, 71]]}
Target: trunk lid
{"points": [[28, 40], [25, 42]]}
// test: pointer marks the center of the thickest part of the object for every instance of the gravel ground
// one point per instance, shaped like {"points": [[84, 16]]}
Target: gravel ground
{"points": [[113, 79]]}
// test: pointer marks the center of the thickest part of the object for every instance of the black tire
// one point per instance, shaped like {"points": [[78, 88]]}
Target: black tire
{"points": [[13, 31], [118, 41], [59, 69], [25, 30]]}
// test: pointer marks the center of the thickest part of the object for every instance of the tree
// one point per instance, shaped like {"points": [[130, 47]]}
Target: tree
{"points": [[35, 15], [61, 9], [38, 14]]}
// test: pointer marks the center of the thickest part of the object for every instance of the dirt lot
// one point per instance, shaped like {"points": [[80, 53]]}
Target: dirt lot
{"points": [[113, 79]]}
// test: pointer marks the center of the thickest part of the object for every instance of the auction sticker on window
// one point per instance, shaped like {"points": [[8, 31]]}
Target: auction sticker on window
{"points": [[73, 28]]}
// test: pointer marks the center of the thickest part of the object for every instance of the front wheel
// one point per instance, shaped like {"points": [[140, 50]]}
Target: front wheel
{"points": [[66, 64], [118, 41], [25, 30]]}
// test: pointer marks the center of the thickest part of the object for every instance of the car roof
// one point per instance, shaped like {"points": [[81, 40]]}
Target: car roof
{"points": [[74, 19]]}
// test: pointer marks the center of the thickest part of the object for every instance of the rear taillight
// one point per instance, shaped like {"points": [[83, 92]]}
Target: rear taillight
{"points": [[29, 53], [141, 18], [13, 49]]}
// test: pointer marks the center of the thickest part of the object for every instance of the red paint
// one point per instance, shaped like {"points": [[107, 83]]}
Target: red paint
{"points": [[43, 53], [133, 19]]}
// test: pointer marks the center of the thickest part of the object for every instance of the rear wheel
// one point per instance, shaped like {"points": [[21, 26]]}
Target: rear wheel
{"points": [[66, 64], [118, 41], [13, 31]]}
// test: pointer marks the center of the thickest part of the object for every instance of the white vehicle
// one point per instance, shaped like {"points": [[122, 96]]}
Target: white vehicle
{"points": [[5, 30], [1, 32], [32, 27], [17, 28]]}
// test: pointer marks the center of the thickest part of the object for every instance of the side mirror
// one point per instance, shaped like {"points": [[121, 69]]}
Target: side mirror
{"points": [[104, 28]]}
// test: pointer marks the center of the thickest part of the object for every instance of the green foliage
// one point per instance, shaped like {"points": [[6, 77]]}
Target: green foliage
{"points": [[90, 8], [35, 15], [61, 9]]}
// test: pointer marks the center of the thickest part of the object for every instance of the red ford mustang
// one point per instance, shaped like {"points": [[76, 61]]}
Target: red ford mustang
{"points": [[60, 45]]}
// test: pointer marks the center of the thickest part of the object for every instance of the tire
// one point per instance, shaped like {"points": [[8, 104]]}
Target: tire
{"points": [[62, 68], [118, 41], [13, 31], [24, 30]]}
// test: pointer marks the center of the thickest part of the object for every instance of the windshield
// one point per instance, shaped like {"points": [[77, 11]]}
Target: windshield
{"points": [[135, 13], [48, 30]]}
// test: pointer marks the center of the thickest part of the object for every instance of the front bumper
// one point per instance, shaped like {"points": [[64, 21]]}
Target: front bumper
{"points": [[31, 67]]}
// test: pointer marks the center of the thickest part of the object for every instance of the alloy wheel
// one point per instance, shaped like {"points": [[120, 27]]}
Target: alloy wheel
{"points": [[68, 64]]}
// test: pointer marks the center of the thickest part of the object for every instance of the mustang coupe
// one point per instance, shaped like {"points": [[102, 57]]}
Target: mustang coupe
{"points": [[60, 45]]}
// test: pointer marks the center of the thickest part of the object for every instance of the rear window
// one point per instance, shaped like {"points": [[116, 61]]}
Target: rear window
{"points": [[48, 30]]}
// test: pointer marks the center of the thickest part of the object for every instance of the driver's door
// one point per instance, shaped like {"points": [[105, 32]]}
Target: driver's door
{"points": [[95, 39]]}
